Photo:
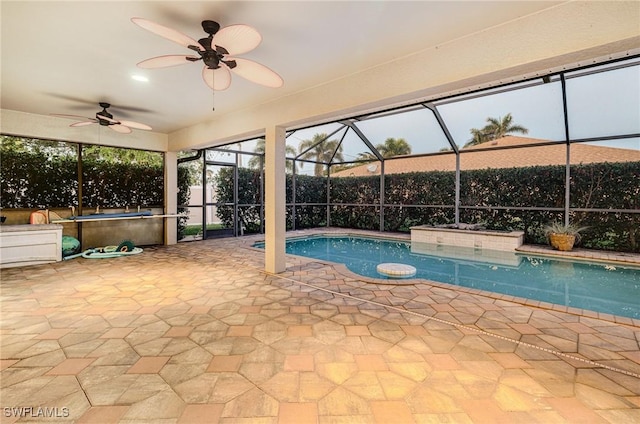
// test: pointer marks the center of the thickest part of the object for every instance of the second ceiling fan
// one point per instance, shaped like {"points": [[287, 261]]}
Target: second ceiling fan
{"points": [[217, 52], [105, 119]]}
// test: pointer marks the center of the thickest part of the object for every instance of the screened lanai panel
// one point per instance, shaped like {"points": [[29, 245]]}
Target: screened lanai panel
{"points": [[404, 132], [250, 194], [252, 162], [513, 177], [250, 182], [537, 108], [38, 173], [353, 149], [361, 217], [254, 148], [418, 191], [304, 139], [291, 166], [255, 145], [310, 168], [606, 174], [519, 188], [320, 149], [605, 193], [219, 155], [114, 177], [310, 217], [249, 219], [423, 180], [310, 189], [191, 228], [604, 103], [318, 155], [190, 199]]}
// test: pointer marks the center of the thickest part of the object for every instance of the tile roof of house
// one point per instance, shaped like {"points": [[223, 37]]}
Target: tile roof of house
{"points": [[495, 156]]}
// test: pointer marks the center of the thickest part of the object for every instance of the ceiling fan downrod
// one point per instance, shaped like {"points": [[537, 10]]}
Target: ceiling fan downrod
{"points": [[104, 114]]}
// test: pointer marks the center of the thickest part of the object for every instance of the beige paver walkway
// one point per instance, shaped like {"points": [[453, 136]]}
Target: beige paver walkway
{"points": [[198, 333]]}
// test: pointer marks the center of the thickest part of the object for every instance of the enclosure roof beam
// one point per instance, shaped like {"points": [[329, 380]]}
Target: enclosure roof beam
{"points": [[335, 152], [364, 138], [443, 126]]}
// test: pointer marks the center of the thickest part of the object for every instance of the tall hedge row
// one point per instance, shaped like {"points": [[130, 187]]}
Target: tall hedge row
{"points": [[429, 197], [116, 185], [33, 180], [308, 190], [36, 180], [249, 184]]}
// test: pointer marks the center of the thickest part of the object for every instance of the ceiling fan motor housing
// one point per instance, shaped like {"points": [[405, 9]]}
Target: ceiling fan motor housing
{"points": [[210, 57], [99, 115]]}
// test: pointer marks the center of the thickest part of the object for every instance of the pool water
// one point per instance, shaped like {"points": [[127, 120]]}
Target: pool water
{"points": [[599, 287]]}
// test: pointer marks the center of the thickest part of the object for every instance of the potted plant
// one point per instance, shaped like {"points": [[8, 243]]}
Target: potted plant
{"points": [[563, 237]]}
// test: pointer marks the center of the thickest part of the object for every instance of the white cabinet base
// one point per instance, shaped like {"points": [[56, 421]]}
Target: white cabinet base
{"points": [[22, 245]]}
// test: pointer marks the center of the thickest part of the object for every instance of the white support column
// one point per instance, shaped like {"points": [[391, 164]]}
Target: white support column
{"points": [[170, 197], [275, 200]]}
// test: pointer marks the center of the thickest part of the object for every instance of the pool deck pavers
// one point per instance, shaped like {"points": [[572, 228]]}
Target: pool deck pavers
{"points": [[198, 332]]}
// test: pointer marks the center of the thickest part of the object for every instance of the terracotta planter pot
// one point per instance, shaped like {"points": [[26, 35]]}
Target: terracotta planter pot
{"points": [[562, 242]]}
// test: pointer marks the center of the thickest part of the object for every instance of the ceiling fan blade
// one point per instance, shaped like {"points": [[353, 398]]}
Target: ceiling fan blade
{"points": [[120, 128], [106, 118], [166, 61], [217, 79], [255, 72], [83, 123], [237, 39], [62, 115], [165, 32], [136, 125]]}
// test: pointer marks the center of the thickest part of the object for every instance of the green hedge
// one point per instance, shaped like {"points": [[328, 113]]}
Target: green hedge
{"points": [[248, 194], [603, 185], [116, 185], [184, 194], [34, 180]]}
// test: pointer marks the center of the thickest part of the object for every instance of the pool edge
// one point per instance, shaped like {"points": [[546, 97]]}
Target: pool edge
{"points": [[344, 271]]}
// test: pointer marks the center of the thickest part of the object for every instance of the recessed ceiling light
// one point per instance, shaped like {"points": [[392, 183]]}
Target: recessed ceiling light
{"points": [[140, 78]]}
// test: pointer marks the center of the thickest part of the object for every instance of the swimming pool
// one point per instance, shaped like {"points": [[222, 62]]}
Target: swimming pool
{"points": [[599, 287]]}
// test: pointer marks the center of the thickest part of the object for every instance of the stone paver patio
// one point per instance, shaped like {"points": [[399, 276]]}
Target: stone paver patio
{"points": [[199, 333]]}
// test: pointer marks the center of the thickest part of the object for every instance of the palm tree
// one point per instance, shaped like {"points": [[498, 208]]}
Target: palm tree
{"points": [[394, 147], [254, 162], [495, 129], [320, 152], [368, 156], [478, 137]]}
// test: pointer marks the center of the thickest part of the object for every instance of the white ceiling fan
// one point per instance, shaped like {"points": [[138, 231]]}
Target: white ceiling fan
{"points": [[218, 52], [106, 119]]}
